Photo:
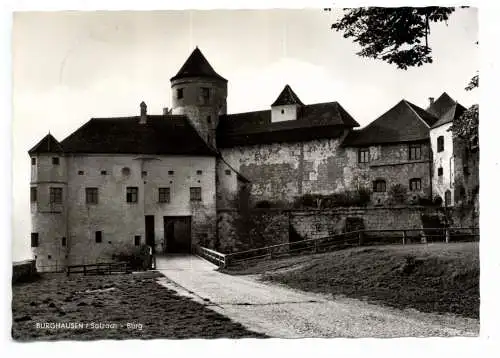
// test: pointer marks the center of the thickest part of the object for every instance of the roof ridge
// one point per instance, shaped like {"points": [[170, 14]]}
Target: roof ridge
{"points": [[410, 105]]}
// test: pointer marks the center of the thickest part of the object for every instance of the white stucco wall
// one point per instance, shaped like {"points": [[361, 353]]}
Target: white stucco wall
{"points": [[443, 159], [289, 113]]}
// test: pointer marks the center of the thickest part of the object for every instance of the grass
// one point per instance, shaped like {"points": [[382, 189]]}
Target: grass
{"points": [[441, 278], [156, 311]]}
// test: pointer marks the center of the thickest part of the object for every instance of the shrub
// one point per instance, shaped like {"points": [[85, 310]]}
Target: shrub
{"points": [[263, 204], [398, 193], [437, 200], [134, 260]]}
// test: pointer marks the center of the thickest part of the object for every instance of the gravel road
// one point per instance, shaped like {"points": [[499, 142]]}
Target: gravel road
{"points": [[282, 312]]}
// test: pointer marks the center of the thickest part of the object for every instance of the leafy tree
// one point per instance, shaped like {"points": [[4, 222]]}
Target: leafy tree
{"points": [[400, 36], [395, 35]]}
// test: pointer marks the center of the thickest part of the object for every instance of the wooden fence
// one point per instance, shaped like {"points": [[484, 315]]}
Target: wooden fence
{"points": [[99, 268], [341, 241]]}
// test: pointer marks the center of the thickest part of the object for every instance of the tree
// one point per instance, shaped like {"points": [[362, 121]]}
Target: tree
{"points": [[395, 35], [400, 36]]}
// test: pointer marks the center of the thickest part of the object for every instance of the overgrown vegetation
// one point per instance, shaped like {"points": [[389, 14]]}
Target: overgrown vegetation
{"points": [[360, 197], [397, 194]]}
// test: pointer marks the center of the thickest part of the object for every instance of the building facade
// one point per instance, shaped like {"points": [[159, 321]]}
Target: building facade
{"points": [[118, 183]]}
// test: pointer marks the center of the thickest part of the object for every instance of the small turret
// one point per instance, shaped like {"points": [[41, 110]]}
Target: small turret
{"points": [[286, 107]]}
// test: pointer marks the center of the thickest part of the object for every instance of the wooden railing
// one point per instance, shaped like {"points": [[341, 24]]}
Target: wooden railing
{"points": [[98, 268], [215, 257], [340, 241]]}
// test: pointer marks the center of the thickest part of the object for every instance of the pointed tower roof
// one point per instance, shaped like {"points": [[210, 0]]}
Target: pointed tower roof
{"points": [[453, 113], [197, 66], [441, 105], [287, 96], [47, 145]]}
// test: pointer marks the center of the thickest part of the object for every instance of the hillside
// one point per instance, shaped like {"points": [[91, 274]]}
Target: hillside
{"points": [[430, 278]]}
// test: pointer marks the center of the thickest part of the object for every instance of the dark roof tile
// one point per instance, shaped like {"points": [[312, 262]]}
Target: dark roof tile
{"points": [[47, 145], [441, 105], [287, 96], [453, 113], [197, 66]]}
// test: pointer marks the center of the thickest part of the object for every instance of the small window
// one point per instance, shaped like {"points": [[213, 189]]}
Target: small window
{"points": [[91, 195], [195, 193], [63, 241], [415, 152], [144, 173], [55, 160], [80, 172], [33, 194], [34, 239], [199, 172], [137, 240], [209, 119], [132, 194], [126, 171], [415, 184], [440, 143], [447, 198], [49, 257], [98, 236], [180, 93], [440, 171], [205, 94], [379, 186], [170, 172], [103, 172], [55, 195], [33, 161], [164, 195], [228, 172], [363, 155], [282, 111]]}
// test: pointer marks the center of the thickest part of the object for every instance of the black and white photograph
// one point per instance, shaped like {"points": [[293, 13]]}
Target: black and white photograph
{"points": [[245, 173]]}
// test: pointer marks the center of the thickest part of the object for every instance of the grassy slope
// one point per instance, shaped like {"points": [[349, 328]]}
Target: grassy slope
{"points": [[119, 299], [443, 278]]}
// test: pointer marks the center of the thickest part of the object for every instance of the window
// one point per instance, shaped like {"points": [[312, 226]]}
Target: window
{"points": [[63, 241], [91, 195], [415, 152], [80, 172], [33, 161], [55, 160], [363, 155], [440, 171], [379, 186], [34, 239], [228, 172], [164, 195], [98, 236], [144, 173], [199, 172], [415, 184], [137, 240], [282, 111], [195, 193], [170, 172], [180, 93], [49, 257], [33, 195], [440, 143], [132, 194], [205, 95], [103, 172], [209, 119], [55, 195], [447, 198]]}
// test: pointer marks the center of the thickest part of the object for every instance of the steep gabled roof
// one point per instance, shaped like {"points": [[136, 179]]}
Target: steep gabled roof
{"points": [[405, 122], [441, 105], [47, 145], [321, 120], [287, 96], [197, 66], [453, 113], [161, 134]]}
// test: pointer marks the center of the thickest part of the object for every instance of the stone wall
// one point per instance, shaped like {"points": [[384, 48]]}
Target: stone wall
{"points": [[264, 227]]}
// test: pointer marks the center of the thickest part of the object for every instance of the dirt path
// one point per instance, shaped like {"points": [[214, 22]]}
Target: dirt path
{"points": [[282, 312]]}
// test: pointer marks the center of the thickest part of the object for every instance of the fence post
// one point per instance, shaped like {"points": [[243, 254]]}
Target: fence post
{"points": [[84, 270], [404, 237], [360, 238], [316, 246], [270, 252], [447, 235]]}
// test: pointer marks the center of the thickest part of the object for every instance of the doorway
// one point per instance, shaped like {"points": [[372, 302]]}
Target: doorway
{"points": [[177, 231], [150, 231]]}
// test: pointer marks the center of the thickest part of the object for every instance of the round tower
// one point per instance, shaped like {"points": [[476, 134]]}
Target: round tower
{"points": [[48, 190], [199, 93]]}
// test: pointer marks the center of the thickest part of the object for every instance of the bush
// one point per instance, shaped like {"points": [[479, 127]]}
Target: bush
{"points": [[134, 260], [359, 197], [263, 204], [437, 200]]}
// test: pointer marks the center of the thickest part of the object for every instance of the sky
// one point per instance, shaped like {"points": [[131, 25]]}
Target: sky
{"points": [[70, 66]]}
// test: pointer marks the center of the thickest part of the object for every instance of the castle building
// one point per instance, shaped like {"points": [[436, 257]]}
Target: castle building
{"points": [[117, 183]]}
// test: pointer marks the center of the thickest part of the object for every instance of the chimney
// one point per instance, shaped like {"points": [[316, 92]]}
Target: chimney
{"points": [[144, 113], [165, 111], [431, 100]]}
